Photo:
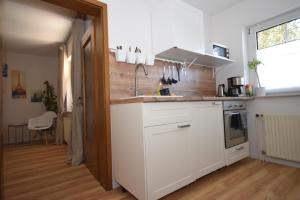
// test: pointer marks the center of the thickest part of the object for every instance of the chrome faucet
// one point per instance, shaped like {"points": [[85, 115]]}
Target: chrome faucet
{"points": [[135, 81]]}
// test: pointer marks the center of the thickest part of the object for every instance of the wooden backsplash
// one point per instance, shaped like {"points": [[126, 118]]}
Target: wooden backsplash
{"points": [[199, 81]]}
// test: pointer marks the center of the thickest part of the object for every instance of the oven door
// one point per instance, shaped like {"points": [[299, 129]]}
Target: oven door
{"points": [[234, 136]]}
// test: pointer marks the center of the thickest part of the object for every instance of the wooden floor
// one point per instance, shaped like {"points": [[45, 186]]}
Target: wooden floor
{"points": [[40, 172]]}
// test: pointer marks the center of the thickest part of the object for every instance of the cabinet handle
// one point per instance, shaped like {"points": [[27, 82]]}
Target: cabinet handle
{"points": [[184, 126], [240, 148]]}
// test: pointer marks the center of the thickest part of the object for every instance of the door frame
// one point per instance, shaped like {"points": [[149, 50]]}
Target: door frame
{"points": [[1, 109], [89, 35], [98, 10], [1, 118]]}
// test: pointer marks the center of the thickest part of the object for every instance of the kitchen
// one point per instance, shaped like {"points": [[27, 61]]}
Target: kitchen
{"points": [[182, 99], [170, 141]]}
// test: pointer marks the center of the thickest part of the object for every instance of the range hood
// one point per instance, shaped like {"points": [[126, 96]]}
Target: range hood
{"points": [[176, 54]]}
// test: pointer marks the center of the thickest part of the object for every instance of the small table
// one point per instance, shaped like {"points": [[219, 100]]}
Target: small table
{"points": [[16, 127]]}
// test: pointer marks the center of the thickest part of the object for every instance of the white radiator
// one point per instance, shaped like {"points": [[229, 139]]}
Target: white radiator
{"points": [[283, 136]]}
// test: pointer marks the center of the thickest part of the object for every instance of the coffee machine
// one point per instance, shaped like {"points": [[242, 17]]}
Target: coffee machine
{"points": [[236, 86]]}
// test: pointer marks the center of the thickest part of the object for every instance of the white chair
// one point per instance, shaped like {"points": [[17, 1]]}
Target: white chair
{"points": [[42, 123]]}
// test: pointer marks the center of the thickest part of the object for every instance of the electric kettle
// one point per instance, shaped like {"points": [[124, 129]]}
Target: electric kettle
{"points": [[221, 90]]}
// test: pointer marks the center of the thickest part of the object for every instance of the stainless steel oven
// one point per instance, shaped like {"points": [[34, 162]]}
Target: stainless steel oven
{"points": [[235, 123]]}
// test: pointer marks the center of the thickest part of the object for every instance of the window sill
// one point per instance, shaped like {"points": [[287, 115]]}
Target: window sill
{"points": [[279, 95], [67, 114]]}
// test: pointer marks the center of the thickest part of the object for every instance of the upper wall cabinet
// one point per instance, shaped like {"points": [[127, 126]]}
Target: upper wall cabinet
{"points": [[178, 34], [129, 24], [175, 23]]}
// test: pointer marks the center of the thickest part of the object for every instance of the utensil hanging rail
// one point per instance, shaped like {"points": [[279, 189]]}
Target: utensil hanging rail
{"points": [[184, 63], [170, 61]]}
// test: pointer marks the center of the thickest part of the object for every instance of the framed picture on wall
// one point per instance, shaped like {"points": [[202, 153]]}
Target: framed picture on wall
{"points": [[36, 95], [18, 84]]}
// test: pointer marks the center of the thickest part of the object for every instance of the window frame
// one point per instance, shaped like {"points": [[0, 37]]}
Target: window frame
{"points": [[253, 45]]}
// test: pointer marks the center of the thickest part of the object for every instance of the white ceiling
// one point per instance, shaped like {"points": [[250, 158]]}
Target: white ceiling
{"points": [[213, 7], [35, 27]]}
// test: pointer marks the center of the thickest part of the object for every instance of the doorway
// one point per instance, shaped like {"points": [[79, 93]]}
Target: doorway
{"points": [[89, 140], [98, 159]]}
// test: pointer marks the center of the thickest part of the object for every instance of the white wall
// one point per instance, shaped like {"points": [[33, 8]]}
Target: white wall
{"points": [[37, 70], [229, 28], [208, 30]]}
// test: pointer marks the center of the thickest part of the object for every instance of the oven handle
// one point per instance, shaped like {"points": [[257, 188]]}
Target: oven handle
{"points": [[232, 113]]}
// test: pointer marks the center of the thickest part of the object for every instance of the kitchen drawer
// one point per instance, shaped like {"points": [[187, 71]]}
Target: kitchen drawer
{"points": [[236, 153], [156, 114], [206, 104]]}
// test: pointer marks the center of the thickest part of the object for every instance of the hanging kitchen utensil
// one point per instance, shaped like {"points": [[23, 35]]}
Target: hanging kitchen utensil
{"points": [[169, 76], [184, 68], [174, 81], [178, 71], [163, 79]]}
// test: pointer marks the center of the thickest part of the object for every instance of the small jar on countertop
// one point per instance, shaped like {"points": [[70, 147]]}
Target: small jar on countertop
{"points": [[249, 90]]}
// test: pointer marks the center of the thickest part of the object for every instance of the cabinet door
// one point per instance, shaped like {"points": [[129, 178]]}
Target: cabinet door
{"points": [[176, 24], [207, 137], [168, 158]]}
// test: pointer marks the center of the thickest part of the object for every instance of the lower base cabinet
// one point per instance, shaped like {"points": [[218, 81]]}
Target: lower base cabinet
{"points": [[207, 137], [168, 158], [157, 148]]}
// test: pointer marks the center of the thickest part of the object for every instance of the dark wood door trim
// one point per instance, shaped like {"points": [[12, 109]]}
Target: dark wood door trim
{"points": [[1, 120], [89, 37], [1, 108], [102, 91]]}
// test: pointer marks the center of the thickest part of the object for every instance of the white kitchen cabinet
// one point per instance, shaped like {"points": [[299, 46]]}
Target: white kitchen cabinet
{"points": [[168, 160], [207, 137], [158, 148], [150, 147], [129, 24], [176, 24]]}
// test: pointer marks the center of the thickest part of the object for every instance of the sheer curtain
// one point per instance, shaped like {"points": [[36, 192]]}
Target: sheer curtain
{"points": [[280, 72], [68, 98], [75, 146], [59, 125]]}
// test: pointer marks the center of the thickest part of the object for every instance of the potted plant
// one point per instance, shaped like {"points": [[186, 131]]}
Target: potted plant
{"points": [[49, 98], [252, 65]]}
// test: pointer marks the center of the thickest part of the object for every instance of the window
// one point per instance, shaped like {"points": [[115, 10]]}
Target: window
{"points": [[67, 87], [278, 47], [280, 34]]}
